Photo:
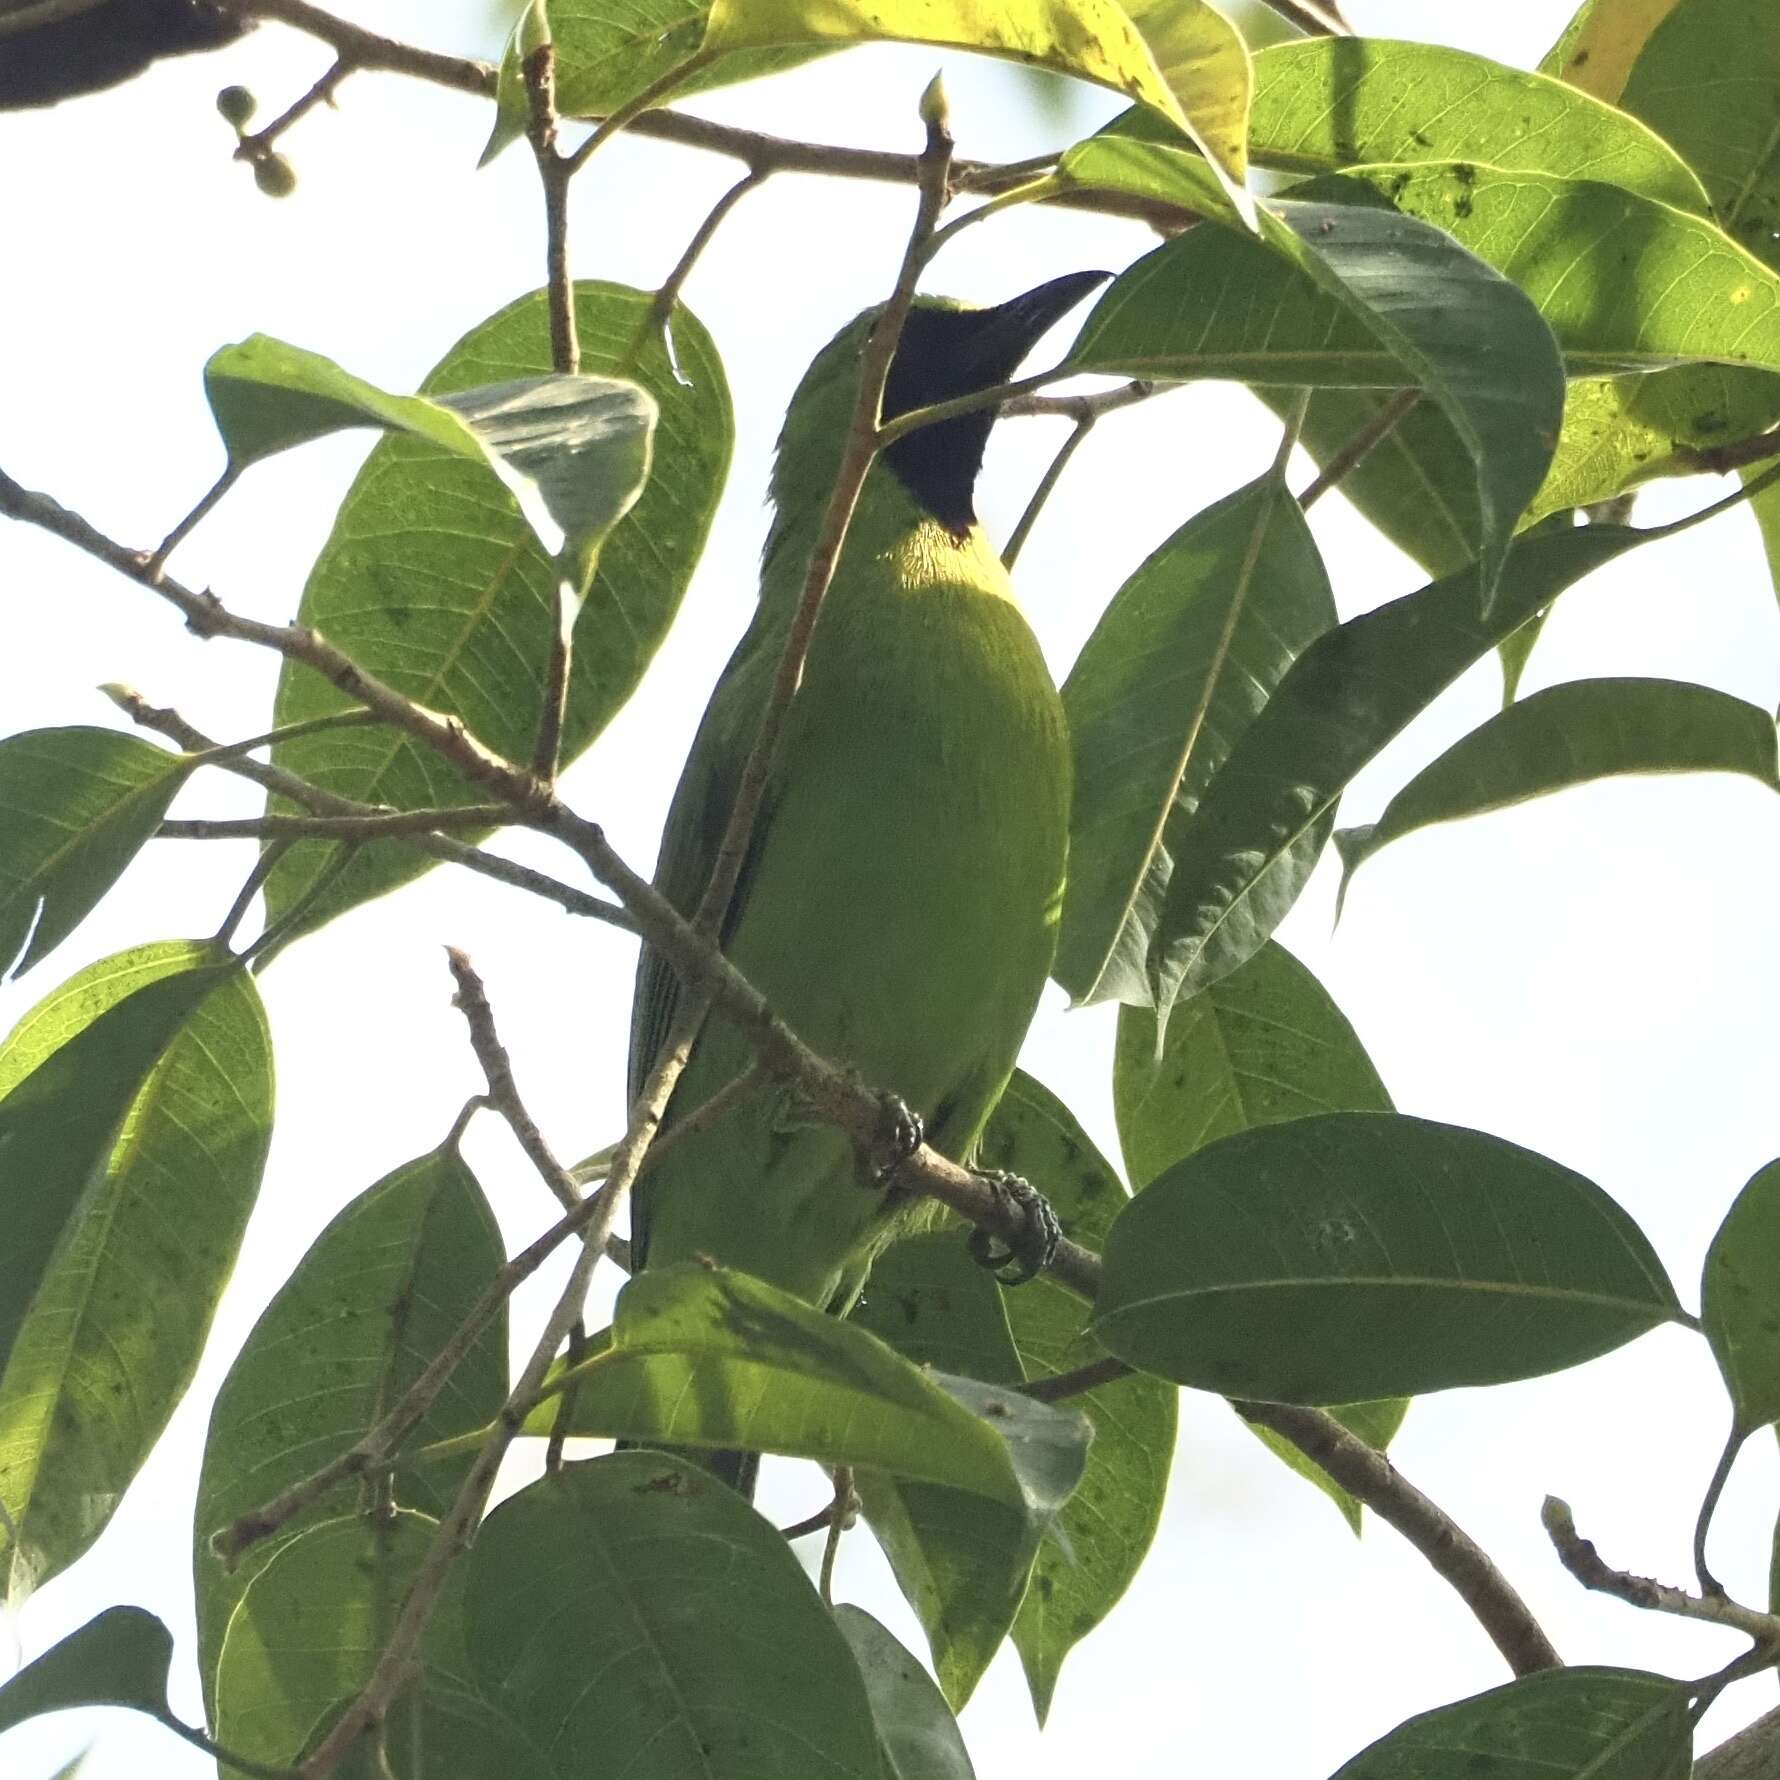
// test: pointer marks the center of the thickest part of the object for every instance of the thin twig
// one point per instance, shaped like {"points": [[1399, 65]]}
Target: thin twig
{"points": [[1047, 484], [1709, 1584], [661, 306], [285, 732], [1579, 1557], [165, 721], [843, 1512], [158, 557], [471, 1001], [555, 174], [632, 109], [704, 1116], [1061, 1386], [205, 614], [1090, 406], [368, 50], [864, 433], [1359, 447], [372, 826], [257, 145], [812, 1524], [262, 869], [394, 1666], [1735, 455]]}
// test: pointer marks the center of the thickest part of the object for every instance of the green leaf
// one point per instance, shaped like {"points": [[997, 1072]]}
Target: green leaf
{"points": [[1340, 702], [1093, 40], [1740, 1293], [1263, 1044], [1355, 1255], [75, 805], [610, 51], [704, 1356], [572, 451], [1090, 1557], [376, 1297], [1418, 488], [1323, 104], [512, 103], [1623, 282], [308, 1629], [119, 1658], [432, 581], [118, 1319], [962, 1561], [1565, 1724], [1708, 81], [70, 1073], [1568, 735], [1187, 652], [714, 1654], [915, 1726], [1348, 295]]}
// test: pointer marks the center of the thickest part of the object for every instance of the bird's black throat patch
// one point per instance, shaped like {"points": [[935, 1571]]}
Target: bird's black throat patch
{"points": [[939, 464]]}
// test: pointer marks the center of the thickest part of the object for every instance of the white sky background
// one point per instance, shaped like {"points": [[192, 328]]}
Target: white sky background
{"points": [[1592, 976]]}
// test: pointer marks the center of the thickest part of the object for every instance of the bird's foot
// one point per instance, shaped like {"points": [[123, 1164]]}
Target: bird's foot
{"points": [[900, 1133], [1016, 1259]]}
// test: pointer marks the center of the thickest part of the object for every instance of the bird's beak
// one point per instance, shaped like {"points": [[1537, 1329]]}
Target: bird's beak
{"points": [[999, 338]]}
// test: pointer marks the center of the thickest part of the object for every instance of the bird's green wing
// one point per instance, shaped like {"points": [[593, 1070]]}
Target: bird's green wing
{"points": [[696, 821]]}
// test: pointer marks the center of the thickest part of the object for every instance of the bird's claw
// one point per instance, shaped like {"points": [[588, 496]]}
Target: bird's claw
{"points": [[1025, 1256], [900, 1134]]}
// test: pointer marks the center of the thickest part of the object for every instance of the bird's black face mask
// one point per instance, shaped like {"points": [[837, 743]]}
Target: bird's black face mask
{"points": [[944, 353]]}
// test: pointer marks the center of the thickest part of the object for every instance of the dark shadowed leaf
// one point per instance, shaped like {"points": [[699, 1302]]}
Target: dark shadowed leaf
{"points": [[703, 1356], [433, 580], [75, 805], [374, 1299], [714, 1654], [1740, 1295], [915, 1725], [1351, 1256], [1323, 104], [1566, 1724], [1187, 652], [1339, 703], [118, 1319], [1341, 291], [120, 1658], [1087, 1561]]}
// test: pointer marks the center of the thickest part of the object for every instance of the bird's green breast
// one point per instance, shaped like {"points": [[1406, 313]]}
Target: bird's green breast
{"points": [[901, 905]]}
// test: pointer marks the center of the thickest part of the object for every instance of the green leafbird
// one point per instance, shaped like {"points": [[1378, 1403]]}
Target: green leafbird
{"points": [[899, 903]]}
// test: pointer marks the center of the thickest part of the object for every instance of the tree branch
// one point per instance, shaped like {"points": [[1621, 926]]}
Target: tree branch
{"points": [[165, 721], [776, 154], [861, 446], [1579, 1557], [373, 825]]}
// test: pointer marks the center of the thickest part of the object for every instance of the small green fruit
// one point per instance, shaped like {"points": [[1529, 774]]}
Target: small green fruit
{"points": [[275, 176], [237, 105]]}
